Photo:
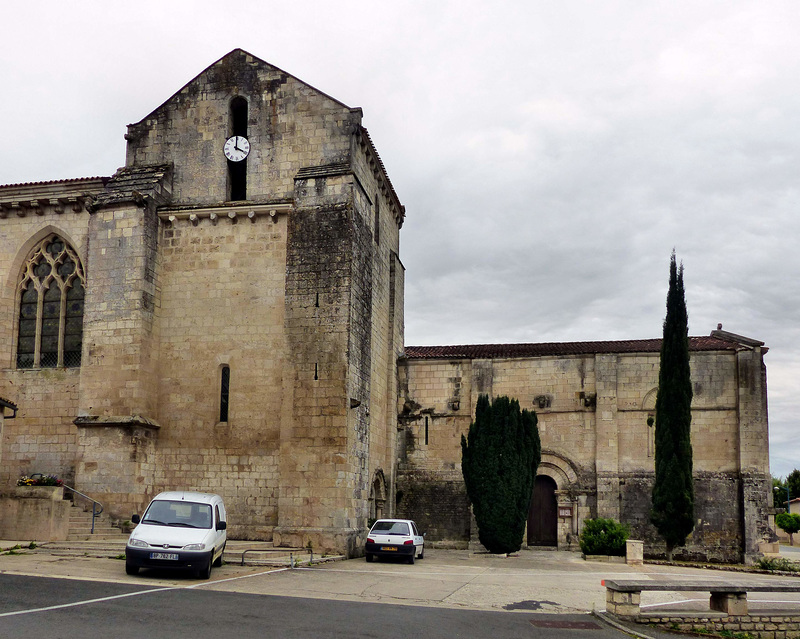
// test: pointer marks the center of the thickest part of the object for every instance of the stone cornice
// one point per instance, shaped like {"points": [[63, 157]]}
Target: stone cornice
{"points": [[50, 198], [231, 213]]}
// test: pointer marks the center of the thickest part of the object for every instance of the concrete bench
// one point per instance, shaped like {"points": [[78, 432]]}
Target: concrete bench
{"points": [[623, 596]]}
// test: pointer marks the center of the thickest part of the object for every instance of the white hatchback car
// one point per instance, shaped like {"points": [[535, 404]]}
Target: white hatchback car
{"points": [[395, 538], [179, 530]]}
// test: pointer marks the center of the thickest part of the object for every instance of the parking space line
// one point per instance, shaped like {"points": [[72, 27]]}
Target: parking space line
{"points": [[222, 581], [134, 594], [85, 602]]}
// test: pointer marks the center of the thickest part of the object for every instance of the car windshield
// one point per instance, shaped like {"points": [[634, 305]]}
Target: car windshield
{"points": [[178, 513], [390, 527]]}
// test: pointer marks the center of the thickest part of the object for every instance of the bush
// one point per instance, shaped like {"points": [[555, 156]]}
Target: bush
{"points": [[604, 537], [778, 563]]}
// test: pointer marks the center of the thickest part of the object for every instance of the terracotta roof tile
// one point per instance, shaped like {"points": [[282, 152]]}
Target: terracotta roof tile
{"points": [[46, 182], [503, 351]]}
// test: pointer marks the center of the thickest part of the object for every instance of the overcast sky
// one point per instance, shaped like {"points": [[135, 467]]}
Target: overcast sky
{"points": [[550, 155]]}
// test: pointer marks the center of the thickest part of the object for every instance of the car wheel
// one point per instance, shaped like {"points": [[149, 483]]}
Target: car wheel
{"points": [[422, 553], [130, 569], [411, 557], [218, 561], [204, 572], [369, 557]]}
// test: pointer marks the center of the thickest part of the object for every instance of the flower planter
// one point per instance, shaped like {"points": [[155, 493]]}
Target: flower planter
{"points": [[39, 492]]}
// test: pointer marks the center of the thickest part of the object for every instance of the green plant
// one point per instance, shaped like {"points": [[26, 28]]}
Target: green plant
{"points": [[499, 460], [603, 537], [32, 545], [673, 489], [778, 564]]}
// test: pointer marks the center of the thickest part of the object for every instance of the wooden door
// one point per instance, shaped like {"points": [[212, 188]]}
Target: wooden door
{"points": [[543, 514]]}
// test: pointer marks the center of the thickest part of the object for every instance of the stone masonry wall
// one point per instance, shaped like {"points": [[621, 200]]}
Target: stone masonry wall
{"points": [[316, 467], [223, 305], [290, 126], [593, 412], [42, 438], [437, 502], [119, 367]]}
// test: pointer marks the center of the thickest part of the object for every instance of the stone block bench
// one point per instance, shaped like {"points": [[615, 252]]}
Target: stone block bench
{"points": [[623, 596]]}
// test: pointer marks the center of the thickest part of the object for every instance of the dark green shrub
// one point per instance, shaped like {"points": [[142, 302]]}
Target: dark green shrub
{"points": [[604, 537], [499, 460]]}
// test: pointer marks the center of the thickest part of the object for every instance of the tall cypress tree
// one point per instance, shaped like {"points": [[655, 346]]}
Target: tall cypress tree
{"points": [[499, 462], [673, 490]]}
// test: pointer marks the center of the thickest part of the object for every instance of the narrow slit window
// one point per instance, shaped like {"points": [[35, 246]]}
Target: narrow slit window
{"points": [[377, 220], [224, 393]]}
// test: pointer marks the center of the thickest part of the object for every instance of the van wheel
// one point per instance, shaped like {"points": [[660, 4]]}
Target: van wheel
{"points": [[369, 557], [204, 572], [218, 561], [130, 569]]}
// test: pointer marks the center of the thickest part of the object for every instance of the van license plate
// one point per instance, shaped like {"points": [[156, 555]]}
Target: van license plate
{"points": [[388, 547], [172, 556]]}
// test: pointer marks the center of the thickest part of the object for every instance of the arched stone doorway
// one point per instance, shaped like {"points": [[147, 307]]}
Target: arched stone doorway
{"points": [[543, 513], [377, 495], [557, 511]]}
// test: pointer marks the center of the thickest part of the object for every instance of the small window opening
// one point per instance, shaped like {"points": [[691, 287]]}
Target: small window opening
{"points": [[377, 220], [237, 171], [224, 393], [426, 431]]}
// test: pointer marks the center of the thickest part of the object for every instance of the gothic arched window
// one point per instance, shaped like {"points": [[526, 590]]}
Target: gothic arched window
{"points": [[51, 307]]}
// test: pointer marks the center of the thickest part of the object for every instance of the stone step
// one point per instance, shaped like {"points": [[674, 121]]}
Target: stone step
{"points": [[255, 553]]}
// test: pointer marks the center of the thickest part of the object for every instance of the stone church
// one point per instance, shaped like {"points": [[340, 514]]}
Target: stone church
{"points": [[225, 313]]}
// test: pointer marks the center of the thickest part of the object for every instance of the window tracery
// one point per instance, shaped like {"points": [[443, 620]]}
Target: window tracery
{"points": [[52, 288]]}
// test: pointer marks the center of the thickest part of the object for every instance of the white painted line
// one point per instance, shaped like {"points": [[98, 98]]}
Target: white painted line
{"points": [[134, 594], [85, 602], [222, 581]]}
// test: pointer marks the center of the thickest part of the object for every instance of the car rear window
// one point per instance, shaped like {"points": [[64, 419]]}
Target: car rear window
{"points": [[391, 527]]}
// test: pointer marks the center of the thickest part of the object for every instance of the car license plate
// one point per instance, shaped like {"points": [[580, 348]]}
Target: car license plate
{"points": [[388, 547], [172, 556]]}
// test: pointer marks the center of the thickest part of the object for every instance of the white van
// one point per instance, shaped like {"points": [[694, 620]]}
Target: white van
{"points": [[178, 530]]}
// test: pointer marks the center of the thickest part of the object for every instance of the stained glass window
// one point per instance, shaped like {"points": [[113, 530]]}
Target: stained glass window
{"points": [[51, 307]]}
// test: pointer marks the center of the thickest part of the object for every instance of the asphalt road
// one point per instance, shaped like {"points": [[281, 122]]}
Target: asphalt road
{"points": [[41, 607]]}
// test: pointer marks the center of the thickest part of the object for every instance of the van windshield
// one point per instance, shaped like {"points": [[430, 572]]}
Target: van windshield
{"points": [[178, 513]]}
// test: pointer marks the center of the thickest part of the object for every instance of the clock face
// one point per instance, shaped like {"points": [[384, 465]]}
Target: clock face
{"points": [[236, 148]]}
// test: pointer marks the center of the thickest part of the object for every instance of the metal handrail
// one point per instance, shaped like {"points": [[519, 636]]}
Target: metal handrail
{"points": [[95, 504]]}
